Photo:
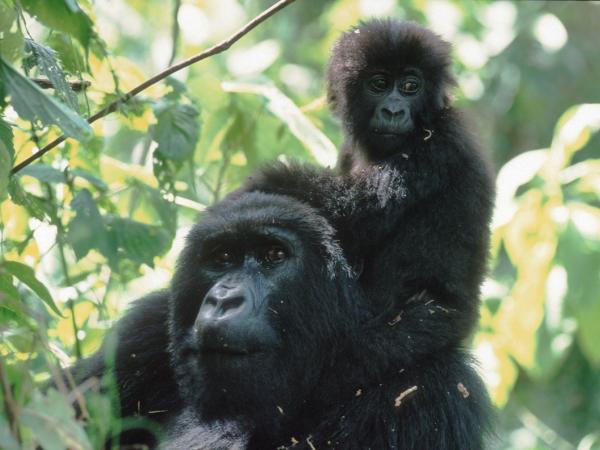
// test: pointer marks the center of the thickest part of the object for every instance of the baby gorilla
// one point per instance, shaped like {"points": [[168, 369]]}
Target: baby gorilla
{"points": [[413, 202], [266, 348]]}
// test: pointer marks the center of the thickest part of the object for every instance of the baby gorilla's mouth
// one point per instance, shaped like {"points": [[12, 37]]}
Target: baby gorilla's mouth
{"points": [[385, 132]]}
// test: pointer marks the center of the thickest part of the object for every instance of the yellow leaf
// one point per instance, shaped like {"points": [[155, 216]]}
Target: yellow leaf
{"points": [[239, 159], [497, 369], [530, 239], [14, 218], [143, 122], [115, 171]]}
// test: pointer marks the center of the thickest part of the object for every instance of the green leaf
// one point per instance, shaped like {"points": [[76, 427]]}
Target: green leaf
{"points": [[37, 207], [102, 418], [6, 437], [5, 165], [14, 311], [86, 231], [140, 242], [69, 54], [178, 89], [581, 258], [556, 333], [11, 42], [45, 59], [177, 130], [26, 275], [93, 180], [286, 110], [6, 137], [44, 173], [62, 15], [7, 289], [52, 421], [11, 307], [166, 211], [31, 103], [3, 93]]}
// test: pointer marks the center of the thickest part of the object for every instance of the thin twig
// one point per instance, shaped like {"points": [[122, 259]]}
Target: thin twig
{"points": [[221, 177], [12, 409], [216, 49], [174, 31], [60, 239], [77, 86], [543, 431]]}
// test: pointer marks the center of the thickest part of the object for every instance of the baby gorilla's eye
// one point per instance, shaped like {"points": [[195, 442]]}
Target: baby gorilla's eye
{"points": [[379, 83], [275, 254], [410, 86]]}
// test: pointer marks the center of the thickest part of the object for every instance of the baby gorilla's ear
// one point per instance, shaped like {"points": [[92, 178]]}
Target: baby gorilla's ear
{"points": [[443, 99]]}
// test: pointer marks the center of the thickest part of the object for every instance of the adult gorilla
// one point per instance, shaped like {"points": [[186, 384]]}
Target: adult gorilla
{"points": [[270, 343]]}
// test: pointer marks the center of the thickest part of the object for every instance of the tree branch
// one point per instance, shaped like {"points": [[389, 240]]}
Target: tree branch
{"points": [[77, 85], [216, 49]]}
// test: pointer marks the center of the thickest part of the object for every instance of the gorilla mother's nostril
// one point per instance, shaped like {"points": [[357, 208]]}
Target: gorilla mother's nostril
{"points": [[230, 305], [222, 304]]}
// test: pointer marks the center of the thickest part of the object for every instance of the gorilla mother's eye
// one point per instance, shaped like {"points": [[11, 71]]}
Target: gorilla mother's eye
{"points": [[379, 83], [224, 257], [274, 254], [410, 85]]}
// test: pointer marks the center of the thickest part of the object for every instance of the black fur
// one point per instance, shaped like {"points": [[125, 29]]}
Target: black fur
{"points": [[331, 375]]}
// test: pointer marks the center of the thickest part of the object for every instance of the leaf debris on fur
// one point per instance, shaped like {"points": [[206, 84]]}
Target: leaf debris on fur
{"points": [[396, 319], [463, 390], [403, 395]]}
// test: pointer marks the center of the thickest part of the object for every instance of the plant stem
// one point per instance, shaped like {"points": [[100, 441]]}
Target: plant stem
{"points": [[174, 32], [12, 409]]}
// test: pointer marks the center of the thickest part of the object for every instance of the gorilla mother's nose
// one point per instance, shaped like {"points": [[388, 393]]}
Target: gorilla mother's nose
{"points": [[224, 302]]}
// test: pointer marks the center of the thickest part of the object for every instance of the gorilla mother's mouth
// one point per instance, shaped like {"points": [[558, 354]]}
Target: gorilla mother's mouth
{"points": [[385, 132], [224, 351]]}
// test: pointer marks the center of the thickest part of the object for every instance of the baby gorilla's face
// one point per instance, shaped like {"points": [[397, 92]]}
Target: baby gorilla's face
{"points": [[392, 105]]}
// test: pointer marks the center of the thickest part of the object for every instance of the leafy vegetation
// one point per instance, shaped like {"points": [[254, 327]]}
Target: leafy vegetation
{"points": [[98, 219]]}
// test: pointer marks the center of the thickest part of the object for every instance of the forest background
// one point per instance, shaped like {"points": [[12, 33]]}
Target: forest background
{"points": [[98, 220]]}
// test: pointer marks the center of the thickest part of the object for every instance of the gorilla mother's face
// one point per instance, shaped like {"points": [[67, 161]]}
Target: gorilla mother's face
{"points": [[235, 321], [252, 298]]}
